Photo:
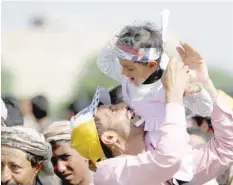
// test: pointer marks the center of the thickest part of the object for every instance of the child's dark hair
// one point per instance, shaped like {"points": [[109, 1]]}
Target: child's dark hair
{"points": [[142, 36]]}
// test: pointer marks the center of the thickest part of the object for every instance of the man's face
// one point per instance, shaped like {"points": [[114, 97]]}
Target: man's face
{"points": [[68, 164], [116, 117], [205, 127], [16, 168], [119, 118]]}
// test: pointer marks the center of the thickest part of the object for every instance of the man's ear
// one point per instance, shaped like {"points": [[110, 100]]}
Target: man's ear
{"points": [[38, 167], [204, 126], [113, 141], [109, 138], [36, 170]]}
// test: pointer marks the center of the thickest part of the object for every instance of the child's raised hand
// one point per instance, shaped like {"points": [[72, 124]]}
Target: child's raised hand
{"points": [[175, 80], [194, 61]]}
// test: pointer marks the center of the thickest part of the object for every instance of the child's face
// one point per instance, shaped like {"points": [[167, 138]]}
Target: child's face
{"points": [[136, 72]]}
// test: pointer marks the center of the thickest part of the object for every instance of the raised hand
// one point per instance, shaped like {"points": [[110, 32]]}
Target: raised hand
{"points": [[192, 88], [194, 61], [175, 80]]}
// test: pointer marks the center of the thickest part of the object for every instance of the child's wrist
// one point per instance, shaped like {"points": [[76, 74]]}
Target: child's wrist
{"points": [[173, 97]]}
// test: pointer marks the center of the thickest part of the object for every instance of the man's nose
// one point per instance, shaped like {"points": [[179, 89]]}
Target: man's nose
{"points": [[61, 167], [6, 175]]}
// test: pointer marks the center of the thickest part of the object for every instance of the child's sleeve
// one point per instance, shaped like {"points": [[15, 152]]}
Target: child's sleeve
{"points": [[108, 63], [199, 103]]}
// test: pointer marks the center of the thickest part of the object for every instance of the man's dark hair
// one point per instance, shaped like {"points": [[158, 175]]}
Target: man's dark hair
{"points": [[14, 115], [40, 106], [116, 94], [34, 159], [107, 151], [200, 119], [198, 132], [74, 107]]}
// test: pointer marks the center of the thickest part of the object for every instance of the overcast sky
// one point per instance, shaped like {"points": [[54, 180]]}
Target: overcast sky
{"points": [[207, 26]]}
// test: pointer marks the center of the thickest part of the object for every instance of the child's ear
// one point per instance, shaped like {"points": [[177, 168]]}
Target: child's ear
{"points": [[152, 64]]}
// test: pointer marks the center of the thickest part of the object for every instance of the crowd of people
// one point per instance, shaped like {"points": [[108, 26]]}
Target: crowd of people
{"points": [[165, 123]]}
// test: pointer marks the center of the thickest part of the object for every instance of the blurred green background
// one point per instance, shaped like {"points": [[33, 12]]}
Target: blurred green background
{"points": [[92, 78]]}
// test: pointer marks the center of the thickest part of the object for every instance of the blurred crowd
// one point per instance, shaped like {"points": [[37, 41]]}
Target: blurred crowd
{"points": [[34, 113]]}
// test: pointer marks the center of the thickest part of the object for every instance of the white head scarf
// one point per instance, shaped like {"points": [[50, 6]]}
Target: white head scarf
{"points": [[59, 130], [3, 110]]}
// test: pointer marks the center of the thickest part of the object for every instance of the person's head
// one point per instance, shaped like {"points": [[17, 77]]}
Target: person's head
{"points": [[104, 128], [40, 107], [191, 123], [14, 115], [23, 153], [114, 126], [139, 50], [18, 165], [73, 108], [197, 136], [116, 94], [68, 165], [204, 123]]}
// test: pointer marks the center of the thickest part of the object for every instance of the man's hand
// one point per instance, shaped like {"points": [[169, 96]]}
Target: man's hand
{"points": [[175, 80], [198, 67], [195, 62], [193, 88]]}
